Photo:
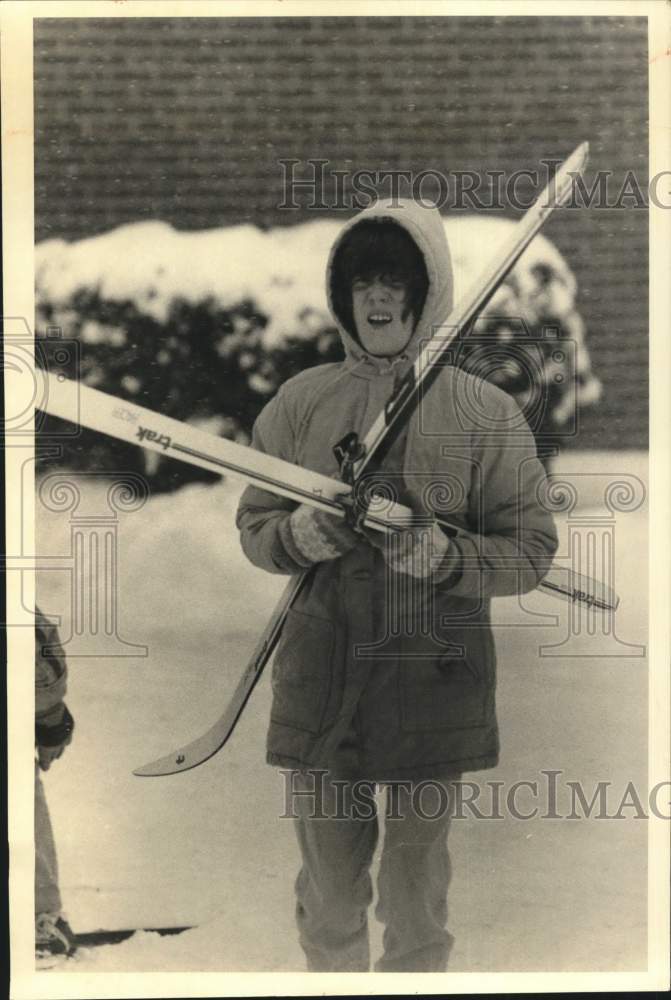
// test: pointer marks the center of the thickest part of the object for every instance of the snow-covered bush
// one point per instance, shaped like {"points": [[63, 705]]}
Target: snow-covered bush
{"points": [[204, 326]]}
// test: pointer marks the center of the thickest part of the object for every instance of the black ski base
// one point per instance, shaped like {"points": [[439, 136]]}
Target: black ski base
{"points": [[94, 939]]}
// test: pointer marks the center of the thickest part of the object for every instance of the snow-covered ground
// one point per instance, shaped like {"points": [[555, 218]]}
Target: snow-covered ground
{"points": [[208, 849]]}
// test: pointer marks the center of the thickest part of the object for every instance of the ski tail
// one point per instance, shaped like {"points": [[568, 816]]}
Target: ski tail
{"points": [[583, 591]]}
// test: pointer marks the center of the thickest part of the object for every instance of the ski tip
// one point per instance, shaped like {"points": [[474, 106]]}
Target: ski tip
{"points": [[561, 186], [184, 759], [577, 161], [172, 764], [147, 771], [583, 152]]}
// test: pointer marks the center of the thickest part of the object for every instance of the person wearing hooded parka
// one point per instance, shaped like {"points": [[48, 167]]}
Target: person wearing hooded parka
{"points": [[384, 677]]}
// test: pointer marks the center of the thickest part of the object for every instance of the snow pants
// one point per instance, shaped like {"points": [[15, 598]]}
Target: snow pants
{"points": [[47, 894], [337, 830]]}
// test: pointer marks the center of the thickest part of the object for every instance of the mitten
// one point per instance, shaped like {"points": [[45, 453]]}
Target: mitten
{"points": [[418, 552], [320, 536], [53, 732]]}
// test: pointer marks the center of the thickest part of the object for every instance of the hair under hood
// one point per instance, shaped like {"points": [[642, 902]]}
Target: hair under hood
{"points": [[415, 247]]}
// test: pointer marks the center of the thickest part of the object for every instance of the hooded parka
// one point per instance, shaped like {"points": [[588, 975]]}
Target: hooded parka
{"points": [[402, 669]]}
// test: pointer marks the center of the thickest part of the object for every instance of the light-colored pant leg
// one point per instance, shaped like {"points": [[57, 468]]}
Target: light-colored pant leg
{"points": [[414, 877], [333, 888], [47, 894]]}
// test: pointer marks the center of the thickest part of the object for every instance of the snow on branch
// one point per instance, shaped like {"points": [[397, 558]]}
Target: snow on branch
{"points": [[206, 325]]}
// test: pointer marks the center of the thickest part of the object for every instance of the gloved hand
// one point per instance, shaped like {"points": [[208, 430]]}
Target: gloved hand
{"points": [[53, 732], [320, 536], [418, 551]]}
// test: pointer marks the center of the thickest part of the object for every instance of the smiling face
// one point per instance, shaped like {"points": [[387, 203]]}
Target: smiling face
{"points": [[379, 286], [383, 322]]}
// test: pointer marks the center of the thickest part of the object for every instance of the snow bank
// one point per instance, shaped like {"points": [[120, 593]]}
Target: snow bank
{"points": [[281, 271], [205, 326]]}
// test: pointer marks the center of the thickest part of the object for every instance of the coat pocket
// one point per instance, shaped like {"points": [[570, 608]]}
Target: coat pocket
{"points": [[450, 691], [302, 672]]}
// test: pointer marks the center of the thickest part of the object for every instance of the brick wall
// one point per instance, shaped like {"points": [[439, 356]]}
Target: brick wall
{"points": [[185, 120]]}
